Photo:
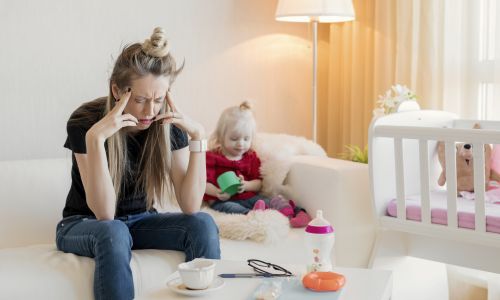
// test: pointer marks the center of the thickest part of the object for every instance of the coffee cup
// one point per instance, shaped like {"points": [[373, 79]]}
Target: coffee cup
{"points": [[229, 182], [197, 274]]}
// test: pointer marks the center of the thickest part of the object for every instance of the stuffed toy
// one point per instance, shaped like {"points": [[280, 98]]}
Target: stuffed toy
{"points": [[495, 164], [465, 165]]}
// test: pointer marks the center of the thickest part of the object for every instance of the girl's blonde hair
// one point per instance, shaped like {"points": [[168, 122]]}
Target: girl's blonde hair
{"points": [[135, 61], [234, 117]]}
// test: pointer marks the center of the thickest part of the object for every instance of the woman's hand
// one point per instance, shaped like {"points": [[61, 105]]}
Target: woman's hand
{"points": [[113, 121], [193, 129]]}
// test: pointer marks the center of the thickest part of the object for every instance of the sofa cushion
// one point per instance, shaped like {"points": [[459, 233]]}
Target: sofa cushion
{"points": [[32, 196], [43, 272]]}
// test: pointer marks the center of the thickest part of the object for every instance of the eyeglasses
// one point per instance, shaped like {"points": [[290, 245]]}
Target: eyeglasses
{"points": [[268, 269]]}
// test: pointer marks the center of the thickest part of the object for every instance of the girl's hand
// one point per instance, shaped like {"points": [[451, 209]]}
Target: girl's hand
{"points": [[193, 129], [223, 196], [243, 186], [114, 120]]}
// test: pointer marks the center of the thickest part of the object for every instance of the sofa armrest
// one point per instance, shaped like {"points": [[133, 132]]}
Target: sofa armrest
{"points": [[342, 190]]}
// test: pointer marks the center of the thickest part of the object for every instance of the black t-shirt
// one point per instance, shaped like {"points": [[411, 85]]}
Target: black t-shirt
{"points": [[131, 200]]}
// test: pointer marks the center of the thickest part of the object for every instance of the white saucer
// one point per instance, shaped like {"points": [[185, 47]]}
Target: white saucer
{"points": [[177, 286]]}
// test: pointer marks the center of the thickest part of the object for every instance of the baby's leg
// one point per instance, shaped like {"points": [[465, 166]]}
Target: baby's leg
{"points": [[300, 217], [282, 205], [250, 203], [230, 207]]}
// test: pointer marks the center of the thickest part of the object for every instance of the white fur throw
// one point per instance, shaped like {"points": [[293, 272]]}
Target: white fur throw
{"points": [[277, 152], [268, 226]]}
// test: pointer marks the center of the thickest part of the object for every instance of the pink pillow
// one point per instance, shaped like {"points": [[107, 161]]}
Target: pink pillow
{"points": [[495, 158]]}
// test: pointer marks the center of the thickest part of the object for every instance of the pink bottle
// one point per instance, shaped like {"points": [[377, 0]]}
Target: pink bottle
{"points": [[319, 239]]}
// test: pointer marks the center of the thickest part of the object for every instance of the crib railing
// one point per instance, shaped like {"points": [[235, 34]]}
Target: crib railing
{"points": [[478, 138]]}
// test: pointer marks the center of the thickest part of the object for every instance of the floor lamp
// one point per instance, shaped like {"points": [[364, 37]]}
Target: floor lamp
{"points": [[315, 11]]}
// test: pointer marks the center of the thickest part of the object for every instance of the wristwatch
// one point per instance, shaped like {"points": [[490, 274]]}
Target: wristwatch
{"points": [[198, 145]]}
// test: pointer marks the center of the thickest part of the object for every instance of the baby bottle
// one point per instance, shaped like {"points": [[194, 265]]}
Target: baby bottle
{"points": [[319, 241]]}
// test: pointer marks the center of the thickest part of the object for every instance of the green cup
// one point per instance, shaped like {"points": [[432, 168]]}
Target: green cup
{"points": [[229, 182]]}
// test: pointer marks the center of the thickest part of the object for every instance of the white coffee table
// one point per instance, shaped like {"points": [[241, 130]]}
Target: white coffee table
{"points": [[360, 284]]}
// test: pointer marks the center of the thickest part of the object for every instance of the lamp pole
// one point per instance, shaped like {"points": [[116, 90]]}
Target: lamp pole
{"points": [[309, 11]]}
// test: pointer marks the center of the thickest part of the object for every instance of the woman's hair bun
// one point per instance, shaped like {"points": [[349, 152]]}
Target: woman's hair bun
{"points": [[157, 45], [245, 105]]}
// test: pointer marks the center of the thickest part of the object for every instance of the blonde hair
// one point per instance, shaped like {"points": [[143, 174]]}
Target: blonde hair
{"points": [[135, 61], [234, 117]]}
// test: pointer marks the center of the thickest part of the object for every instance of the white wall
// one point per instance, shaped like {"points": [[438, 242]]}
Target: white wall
{"points": [[57, 54]]}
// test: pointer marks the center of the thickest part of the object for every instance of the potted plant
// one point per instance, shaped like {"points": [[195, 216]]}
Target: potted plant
{"points": [[355, 153]]}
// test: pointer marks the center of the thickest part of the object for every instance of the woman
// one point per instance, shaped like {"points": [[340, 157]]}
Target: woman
{"points": [[129, 153]]}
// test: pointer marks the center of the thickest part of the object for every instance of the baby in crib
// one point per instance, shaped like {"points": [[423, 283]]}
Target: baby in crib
{"points": [[230, 149]]}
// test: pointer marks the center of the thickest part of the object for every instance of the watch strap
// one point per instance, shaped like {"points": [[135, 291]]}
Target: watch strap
{"points": [[198, 145]]}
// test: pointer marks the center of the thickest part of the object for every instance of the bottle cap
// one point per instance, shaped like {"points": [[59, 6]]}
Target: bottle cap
{"points": [[319, 225]]}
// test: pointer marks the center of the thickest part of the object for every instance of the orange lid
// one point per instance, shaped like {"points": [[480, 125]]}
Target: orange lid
{"points": [[323, 281]]}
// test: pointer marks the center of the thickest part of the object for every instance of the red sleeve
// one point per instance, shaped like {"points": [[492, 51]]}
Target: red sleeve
{"points": [[211, 162], [255, 167]]}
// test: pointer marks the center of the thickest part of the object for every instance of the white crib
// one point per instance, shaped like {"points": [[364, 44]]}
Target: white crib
{"points": [[403, 161]]}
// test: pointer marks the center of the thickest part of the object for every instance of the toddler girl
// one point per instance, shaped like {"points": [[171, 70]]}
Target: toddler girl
{"points": [[231, 149]]}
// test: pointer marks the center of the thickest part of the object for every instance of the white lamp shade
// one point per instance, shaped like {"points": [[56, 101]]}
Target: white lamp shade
{"points": [[324, 11]]}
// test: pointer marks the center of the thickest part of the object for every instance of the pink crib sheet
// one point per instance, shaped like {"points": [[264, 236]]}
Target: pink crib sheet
{"points": [[465, 210]]}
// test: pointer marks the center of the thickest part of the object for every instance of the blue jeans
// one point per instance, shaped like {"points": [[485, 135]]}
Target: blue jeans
{"points": [[237, 206], [110, 244]]}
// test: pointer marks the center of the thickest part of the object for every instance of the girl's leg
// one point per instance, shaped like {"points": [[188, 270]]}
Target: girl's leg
{"points": [[231, 207], [282, 205], [300, 217], [249, 203], [109, 243], [196, 235]]}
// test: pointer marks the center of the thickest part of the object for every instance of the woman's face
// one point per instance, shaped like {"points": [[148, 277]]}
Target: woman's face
{"points": [[146, 100]]}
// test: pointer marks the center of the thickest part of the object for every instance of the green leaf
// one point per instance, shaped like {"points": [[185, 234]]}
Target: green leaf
{"points": [[355, 153]]}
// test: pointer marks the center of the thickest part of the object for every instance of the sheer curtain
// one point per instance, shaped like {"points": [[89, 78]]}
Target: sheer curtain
{"points": [[356, 64], [449, 54], [446, 51], [478, 41]]}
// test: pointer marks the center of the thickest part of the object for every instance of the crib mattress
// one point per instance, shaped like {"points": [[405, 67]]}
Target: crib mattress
{"points": [[465, 210]]}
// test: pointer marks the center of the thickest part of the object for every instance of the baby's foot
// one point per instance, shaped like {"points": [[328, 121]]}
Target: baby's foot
{"points": [[281, 204], [300, 220], [278, 202], [259, 205]]}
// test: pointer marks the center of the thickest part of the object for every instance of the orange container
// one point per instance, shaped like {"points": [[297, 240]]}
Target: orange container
{"points": [[323, 281]]}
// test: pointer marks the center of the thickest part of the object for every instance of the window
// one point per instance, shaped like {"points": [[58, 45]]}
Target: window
{"points": [[487, 108]]}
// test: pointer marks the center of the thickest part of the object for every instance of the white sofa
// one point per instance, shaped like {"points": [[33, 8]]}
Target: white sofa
{"points": [[33, 193]]}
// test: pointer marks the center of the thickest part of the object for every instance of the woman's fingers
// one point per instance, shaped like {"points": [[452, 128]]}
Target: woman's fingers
{"points": [[170, 102], [128, 123], [129, 117], [120, 104], [169, 116]]}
